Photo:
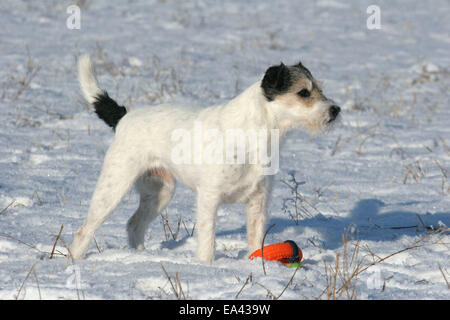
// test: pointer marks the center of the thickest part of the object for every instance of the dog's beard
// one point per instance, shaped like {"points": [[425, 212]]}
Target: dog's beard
{"points": [[324, 126], [331, 124]]}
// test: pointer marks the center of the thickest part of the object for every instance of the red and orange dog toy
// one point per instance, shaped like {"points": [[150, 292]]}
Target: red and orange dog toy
{"points": [[286, 252]]}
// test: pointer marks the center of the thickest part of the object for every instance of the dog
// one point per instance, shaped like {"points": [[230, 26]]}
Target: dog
{"points": [[141, 153]]}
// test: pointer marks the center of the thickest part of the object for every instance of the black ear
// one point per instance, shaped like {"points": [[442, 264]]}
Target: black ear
{"points": [[277, 80], [302, 67]]}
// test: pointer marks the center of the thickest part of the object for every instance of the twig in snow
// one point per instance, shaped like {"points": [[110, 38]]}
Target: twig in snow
{"points": [[269, 293], [27, 244], [96, 244], [178, 293], [56, 241], [416, 244], [24, 280], [249, 278], [288, 284], [6, 208], [37, 284], [262, 248], [445, 278]]}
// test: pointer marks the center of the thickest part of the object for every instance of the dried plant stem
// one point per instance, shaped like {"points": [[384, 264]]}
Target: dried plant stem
{"points": [[56, 241], [96, 244], [262, 248], [288, 284], [416, 244], [445, 278], [166, 224], [336, 145], [269, 293], [249, 278], [24, 280], [303, 199], [178, 293], [37, 283], [6, 208], [20, 241]]}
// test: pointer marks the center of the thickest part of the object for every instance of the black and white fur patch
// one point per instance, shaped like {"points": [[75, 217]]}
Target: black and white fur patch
{"points": [[278, 79], [108, 110]]}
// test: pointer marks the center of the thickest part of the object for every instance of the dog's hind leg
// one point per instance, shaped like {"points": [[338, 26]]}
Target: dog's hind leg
{"points": [[155, 188], [120, 170]]}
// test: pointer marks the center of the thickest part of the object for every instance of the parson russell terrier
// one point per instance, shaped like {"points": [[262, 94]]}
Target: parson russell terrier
{"points": [[142, 153]]}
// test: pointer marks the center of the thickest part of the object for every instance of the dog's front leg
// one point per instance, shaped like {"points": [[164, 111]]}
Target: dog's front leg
{"points": [[207, 204], [256, 219]]}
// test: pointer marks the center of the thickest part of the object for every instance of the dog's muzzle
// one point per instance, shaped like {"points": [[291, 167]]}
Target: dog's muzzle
{"points": [[334, 112]]}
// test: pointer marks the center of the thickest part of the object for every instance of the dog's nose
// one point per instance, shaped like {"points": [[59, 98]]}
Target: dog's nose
{"points": [[334, 111]]}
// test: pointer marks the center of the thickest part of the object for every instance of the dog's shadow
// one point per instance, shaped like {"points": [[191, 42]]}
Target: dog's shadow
{"points": [[366, 221]]}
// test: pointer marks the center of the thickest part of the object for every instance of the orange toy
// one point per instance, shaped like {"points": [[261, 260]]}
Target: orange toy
{"points": [[286, 252]]}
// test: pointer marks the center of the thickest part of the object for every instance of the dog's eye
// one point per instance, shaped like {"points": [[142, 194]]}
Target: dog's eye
{"points": [[304, 93]]}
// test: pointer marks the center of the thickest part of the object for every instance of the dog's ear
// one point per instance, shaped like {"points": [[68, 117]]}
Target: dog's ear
{"points": [[277, 80], [302, 67]]}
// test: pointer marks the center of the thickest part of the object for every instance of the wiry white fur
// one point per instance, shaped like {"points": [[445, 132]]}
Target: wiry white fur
{"points": [[143, 143], [86, 77]]}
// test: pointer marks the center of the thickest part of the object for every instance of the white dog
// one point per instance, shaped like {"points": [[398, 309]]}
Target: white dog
{"points": [[142, 153]]}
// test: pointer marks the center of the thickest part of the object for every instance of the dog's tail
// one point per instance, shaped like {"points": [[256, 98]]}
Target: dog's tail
{"points": [[105, 107]]}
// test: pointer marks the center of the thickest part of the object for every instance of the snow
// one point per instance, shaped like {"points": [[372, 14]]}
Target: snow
{"points": [[381, 176]]}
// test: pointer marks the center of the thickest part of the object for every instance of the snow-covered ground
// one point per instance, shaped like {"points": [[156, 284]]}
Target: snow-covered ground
{"points": [[381, 177]]}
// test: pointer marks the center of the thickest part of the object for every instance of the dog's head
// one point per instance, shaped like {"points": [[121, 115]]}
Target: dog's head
{"points": [[297, 100]]}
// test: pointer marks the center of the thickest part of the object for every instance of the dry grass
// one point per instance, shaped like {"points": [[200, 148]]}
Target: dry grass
{"points": [[23, 81], [6, 208], [5, 235], [336, 145], [250, 280], [385, 98], [415, 171], [444, 272], [19, 82], [175, 286], [61, 195], [445, 187], [247, 281], [165, 83], [262, 247], [32, 270], [24, 280], [301, 207], [170, 231], [342, 277], [156, 83], [56, 241]]}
